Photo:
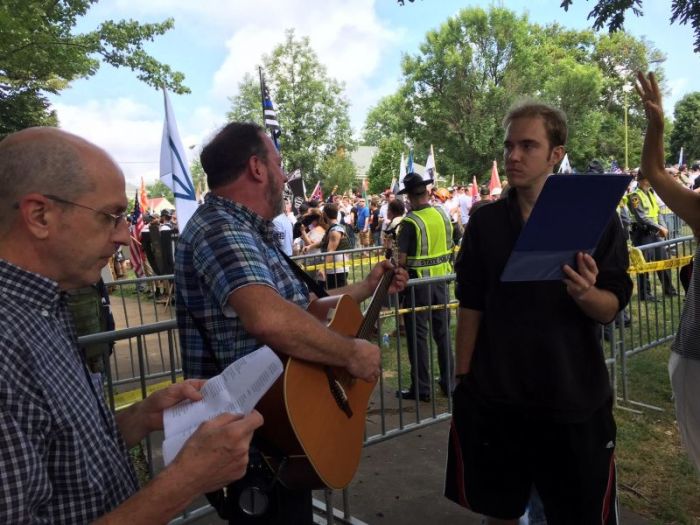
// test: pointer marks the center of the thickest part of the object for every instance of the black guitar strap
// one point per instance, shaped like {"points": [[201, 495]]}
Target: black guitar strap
{"points": [[305, 277]]}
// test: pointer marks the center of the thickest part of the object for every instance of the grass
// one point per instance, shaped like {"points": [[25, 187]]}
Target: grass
{"points": [[656, 479]]}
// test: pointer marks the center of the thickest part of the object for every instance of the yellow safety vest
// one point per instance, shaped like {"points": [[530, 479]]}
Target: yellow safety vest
{"points": [[649, 203], [433, 242]]}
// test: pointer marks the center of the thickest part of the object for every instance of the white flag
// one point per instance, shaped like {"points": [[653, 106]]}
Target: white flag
{"points": [[174, 171], [429, 172], [402, 172], [680, 158], [565, 167]]}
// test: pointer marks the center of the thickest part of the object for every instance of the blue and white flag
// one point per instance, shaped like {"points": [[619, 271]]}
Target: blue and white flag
{"points": [[402, 175], [409, 164], [429, 172], [174, 171], [269, 113], [680, 157], [565, 167]]}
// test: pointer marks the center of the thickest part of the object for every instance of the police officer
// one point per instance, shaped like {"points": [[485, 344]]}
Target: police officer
{"points": [[425, 249], [648, 227]]}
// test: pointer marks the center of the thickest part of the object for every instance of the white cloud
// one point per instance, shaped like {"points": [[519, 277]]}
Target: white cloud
{"points": [[131, 132]]}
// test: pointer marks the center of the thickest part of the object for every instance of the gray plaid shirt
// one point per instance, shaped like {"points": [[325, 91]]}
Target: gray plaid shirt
{"points": [[62, 459]]}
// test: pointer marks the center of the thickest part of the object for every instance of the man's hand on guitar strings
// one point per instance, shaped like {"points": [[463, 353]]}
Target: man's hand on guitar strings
{"points": [[399, 279]]}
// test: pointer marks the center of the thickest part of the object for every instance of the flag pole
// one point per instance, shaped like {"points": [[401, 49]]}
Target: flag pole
{"points": [[262, 93]]}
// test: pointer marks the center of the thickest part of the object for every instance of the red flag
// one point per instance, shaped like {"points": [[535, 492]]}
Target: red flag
{"points": [[135, 249], [495, 181], [143, 197], [474, 192], [317, 194]]}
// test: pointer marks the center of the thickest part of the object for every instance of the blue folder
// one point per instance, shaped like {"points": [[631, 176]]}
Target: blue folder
{"points": [[569, 216]]}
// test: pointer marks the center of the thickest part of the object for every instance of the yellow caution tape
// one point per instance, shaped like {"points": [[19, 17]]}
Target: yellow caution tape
{"points": [[125, 399], [639, 265]]}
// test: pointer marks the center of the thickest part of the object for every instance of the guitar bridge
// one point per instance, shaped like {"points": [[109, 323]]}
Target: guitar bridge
{"points": [[338, 392]]}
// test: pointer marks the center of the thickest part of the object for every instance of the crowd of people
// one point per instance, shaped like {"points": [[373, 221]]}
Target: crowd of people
{"points": [[532, 405]]}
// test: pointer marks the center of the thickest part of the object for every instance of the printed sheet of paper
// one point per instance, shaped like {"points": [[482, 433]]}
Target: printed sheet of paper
{"points": [[236, 390]]}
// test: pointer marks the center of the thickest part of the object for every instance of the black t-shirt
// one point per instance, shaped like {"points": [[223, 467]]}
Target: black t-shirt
{"points": [[536, 350]]}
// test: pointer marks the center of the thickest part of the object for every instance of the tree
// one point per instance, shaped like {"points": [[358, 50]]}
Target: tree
{"points": [[612, 13], [456, 90], [686, 129], [311, 108], [246, 105], [388, 117], [41, 53], [338, 170], [160, 189], [385, 164]]}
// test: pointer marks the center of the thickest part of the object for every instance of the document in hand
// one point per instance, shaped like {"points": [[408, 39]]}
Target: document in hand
{"points": [[569, 216], [236, 390]]}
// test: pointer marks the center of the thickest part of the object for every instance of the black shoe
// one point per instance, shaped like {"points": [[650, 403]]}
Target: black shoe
{"points": [[411, 395], [671, 293], [650, 298]]}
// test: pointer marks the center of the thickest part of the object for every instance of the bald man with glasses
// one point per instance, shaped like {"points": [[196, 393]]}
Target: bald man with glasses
{"points": [[65, 454]]}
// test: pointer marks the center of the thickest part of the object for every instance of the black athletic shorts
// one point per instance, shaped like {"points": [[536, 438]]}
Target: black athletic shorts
{"points": [[496, 455]]}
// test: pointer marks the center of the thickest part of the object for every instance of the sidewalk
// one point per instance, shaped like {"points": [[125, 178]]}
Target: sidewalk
{"points": [[400, 481]]}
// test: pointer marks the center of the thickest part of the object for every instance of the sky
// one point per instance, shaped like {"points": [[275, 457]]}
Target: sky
{"points": [[361, 42]]}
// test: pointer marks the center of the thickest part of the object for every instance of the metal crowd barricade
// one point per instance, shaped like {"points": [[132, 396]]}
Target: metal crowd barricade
{"points": [[147, 356]]}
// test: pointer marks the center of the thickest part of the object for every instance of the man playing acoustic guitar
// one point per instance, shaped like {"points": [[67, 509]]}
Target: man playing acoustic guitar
{"points": [[236, 291]]}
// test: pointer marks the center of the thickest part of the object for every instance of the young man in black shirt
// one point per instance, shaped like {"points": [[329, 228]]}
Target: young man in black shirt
{"points": [[533, 406]]}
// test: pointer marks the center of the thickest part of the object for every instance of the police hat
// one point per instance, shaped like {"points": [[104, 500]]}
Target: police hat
{"points": [[595, 166], [166, 213], [414, 183]]}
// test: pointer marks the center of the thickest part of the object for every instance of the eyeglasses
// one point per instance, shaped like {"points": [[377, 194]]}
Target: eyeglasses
{"points": [[116, 218]]}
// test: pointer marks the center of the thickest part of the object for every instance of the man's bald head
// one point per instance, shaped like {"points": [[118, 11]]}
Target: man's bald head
{"points": [[42, 160]]}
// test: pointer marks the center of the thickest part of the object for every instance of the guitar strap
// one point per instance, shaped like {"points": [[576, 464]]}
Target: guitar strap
{"points": [[316, 288]]}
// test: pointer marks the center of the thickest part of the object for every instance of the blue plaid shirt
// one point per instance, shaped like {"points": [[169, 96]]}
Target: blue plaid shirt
{"points": [[224, 247], [62, 459]]}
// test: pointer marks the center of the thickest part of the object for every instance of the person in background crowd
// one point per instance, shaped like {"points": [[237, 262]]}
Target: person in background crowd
{"points": [[425, 249], [647, 227], [484, 198], [236, 292], [684, 363], [334, 240], [314, 230], [383, 212], [465, 203], [375, 223], [395, 213], [362, 224], [64, 453], [533, 403], [166, 220], [283, 232]]}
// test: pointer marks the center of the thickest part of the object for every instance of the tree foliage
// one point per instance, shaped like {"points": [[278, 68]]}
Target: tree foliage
{"points": [[612, 13], [686, 129], [40, 53], [338, 170], [457, 88], [385, 164], [311, 107]]}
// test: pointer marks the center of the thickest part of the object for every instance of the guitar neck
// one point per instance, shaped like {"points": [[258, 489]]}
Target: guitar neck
{"points": [[375, 305]]}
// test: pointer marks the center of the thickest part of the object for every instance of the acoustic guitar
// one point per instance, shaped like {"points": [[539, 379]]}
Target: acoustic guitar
{"points": [[315, 414]]}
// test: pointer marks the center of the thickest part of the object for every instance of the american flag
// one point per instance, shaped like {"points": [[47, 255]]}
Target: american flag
{"points": [[269, 113], [135, 248]]}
